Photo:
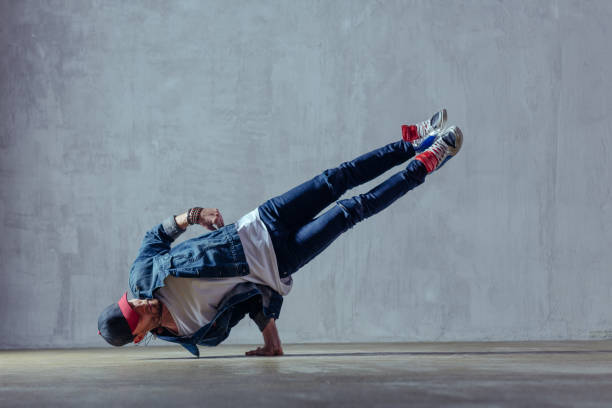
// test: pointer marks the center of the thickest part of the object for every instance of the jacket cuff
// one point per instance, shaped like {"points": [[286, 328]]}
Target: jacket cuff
{"points": [[260, 319], [171, 228]]}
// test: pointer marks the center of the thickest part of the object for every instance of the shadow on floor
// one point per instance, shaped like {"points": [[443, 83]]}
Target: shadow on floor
{"points": [[399, 353]]}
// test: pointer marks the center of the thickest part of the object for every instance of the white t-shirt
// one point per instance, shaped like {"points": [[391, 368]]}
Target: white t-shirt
{"points": [[260, 254], [193, 302]]}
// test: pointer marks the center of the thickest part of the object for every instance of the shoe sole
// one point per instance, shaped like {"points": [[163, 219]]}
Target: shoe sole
{"points": [[458, 140], [442, 124], [453, 150], [444, 119]]}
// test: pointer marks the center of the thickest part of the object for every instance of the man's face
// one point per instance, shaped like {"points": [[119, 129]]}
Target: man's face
{"points": [[149, 312]]}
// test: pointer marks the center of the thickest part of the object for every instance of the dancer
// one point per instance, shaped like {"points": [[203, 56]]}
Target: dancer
{"points": [[195, 292]]}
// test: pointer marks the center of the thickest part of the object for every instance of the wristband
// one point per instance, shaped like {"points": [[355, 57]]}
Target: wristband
{"points": [[193, 215]]}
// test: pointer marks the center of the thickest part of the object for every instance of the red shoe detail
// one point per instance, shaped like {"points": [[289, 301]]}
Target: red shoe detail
{"points": [[428, 159], [410, 133]]}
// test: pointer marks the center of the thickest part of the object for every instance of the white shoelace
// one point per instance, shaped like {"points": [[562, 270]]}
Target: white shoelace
{"points": [[440, 149], [424, 128]]}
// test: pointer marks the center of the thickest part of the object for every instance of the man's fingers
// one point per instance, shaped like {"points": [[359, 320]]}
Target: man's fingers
{"points": [[265, 352], [253, 352], [218, 219]]}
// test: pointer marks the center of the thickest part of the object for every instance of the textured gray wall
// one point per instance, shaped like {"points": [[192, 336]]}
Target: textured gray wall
{"points": [[115, 114]]}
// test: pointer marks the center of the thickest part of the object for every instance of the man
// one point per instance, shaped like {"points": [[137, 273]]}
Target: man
{"points": [[194, 293]]}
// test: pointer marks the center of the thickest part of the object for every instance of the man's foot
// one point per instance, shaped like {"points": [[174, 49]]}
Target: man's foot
{"points": [[446, 146], [423, 134]]}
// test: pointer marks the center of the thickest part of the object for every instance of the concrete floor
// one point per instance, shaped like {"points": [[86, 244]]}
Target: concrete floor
{"points": [[538, 374]]}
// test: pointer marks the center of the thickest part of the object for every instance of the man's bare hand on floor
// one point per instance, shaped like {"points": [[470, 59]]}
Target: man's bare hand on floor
{"points": [[272, 344]]}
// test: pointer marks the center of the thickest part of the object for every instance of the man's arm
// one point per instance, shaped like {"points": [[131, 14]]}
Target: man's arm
{"points": [[272, 344], [181, 220], [209, 218], [157, 241]]}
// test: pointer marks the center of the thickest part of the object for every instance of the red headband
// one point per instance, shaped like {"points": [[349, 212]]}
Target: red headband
{"points": [[130, 314]]}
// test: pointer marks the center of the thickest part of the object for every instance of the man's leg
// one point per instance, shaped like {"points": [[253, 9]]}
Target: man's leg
{"points": [[315, 236], [299, 205], [319, 233]]}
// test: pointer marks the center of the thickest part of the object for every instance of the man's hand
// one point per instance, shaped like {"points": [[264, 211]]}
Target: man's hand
{"points": [[211, 219], [272, 344]]}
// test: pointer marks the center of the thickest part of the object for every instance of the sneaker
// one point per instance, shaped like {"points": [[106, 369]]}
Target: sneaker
{"points": [[446, 146], [423, 134]]}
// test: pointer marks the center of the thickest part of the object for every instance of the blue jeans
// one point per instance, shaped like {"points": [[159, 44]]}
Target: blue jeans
{"points": [[298, 235]]}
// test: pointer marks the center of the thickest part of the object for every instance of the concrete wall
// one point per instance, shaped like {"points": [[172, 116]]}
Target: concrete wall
{"points": [[114, 115]]}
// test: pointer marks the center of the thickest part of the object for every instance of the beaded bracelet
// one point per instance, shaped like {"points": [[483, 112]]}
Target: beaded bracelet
{"points": [[189, 216], [196, 216], [193, 215]]}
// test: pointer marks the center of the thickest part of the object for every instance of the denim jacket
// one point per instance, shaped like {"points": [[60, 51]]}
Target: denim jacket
{"points": [[218, 254]]}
